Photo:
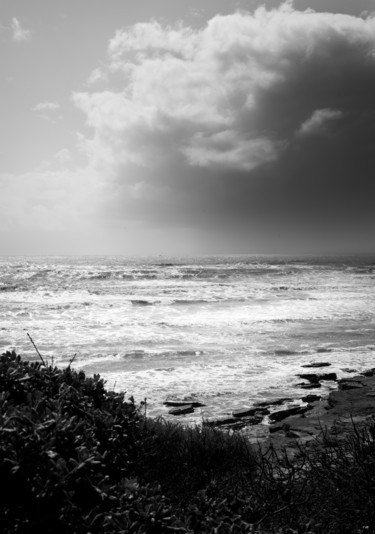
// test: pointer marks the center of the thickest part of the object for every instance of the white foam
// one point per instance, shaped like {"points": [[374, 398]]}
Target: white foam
{"points": [[239, 333]]}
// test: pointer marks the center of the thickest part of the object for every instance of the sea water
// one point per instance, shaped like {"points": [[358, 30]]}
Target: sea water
{"points": [[227, 331]]}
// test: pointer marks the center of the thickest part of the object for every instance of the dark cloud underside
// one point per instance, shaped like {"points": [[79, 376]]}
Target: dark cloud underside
{"points": [[259, 124]]}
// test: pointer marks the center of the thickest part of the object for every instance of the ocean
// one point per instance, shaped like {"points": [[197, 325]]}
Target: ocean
{"points": [[225, 330]]}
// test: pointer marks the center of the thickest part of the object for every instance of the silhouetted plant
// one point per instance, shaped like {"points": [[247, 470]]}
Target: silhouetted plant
{"points": [[77, 458]]}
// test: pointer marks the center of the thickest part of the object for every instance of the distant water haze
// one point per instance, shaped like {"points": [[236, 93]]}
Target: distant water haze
{"points": [[225, 330]]}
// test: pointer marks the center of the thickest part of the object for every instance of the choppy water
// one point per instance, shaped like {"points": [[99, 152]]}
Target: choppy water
{"points": [[226, 330]]}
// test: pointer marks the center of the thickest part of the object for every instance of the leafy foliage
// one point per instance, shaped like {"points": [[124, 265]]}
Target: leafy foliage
{"points": [[66, 447], [76, 458]]}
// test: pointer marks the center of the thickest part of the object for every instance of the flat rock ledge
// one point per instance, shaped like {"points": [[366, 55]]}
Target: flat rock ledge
{"points": [[182, 407], [352, 402], [287, 424]]}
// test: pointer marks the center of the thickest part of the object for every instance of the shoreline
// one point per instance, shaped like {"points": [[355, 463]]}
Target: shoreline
{"points": [[99, 465], [289, 423], [348, 407]]}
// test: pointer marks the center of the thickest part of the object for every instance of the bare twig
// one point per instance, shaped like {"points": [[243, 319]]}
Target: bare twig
{"points": [[37, 351], [72, 360]]}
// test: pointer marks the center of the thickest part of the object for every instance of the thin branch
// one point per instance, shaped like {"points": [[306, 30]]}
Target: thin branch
{"points": [[37, 351], [72, 360]]}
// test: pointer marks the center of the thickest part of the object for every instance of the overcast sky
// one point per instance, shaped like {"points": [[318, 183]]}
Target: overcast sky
{"points": [[167, 127]]}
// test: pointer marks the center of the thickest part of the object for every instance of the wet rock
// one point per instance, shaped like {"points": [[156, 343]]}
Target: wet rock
{"points": [[355, 401], [220, 422], [182, 410], [141, 303], [314, 378], [234, 423], [244, 421], [317, 364], [287, 431], [178, 403], [349, 384], [333, 417], [369, 372], [283, 414], [246, 412], [311, 398], [274, 402], [314, 385]]}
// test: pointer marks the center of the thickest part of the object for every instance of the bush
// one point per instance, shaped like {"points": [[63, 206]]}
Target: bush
{"points": [[76, 458], [64, 443], [186, 460]]}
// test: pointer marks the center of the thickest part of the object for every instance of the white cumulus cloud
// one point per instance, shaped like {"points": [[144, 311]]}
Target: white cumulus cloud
{"points": [[205, 96], [220, 127]]}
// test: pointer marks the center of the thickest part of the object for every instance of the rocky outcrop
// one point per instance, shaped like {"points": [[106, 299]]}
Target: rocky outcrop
{"points": [[349, 384], [234, 423], [311, 398], [296, 425], [317, 364], [182, 410], [283, 414], [352, 402], [246, 412], [220, 422], [178, 403], [276, 402], [313, 378], [313, 385], [369, 372]]}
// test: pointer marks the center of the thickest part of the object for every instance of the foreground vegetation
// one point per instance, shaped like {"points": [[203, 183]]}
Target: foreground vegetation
{"points": [[77, 458]]}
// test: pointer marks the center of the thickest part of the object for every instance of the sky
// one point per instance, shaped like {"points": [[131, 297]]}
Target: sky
{"points": [[174, 127]]}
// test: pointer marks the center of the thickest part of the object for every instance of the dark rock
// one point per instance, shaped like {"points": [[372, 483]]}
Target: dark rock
{"points": [[283, 414], [311, 377], [369, 372], [244, 421], [245, 412], [276, 428], [314, 385], [284, 352], [317, 364], [255, 420], [220, 422], [273, 403], [182, 410], [348, 370], [177, 403], [314, 378], [349, 384], [335, 415], [323, 350], [141, 303], [357, 400], [311, 398]]}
